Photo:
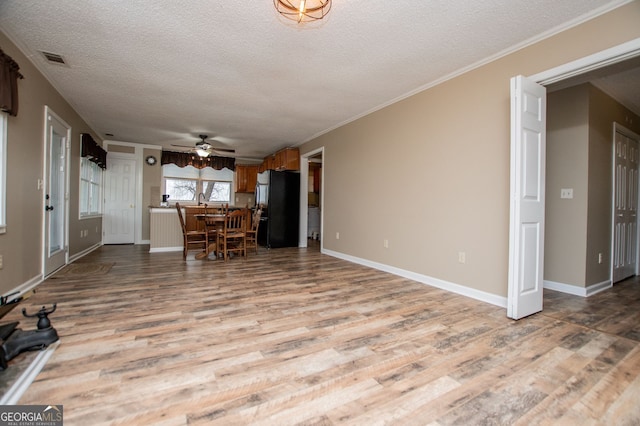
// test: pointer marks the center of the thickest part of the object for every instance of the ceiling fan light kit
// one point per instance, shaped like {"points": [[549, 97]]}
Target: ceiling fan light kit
{"points": [[205, 149], [303, 10]]}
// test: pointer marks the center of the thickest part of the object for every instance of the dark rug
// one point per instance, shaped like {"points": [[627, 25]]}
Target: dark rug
{"points": [[85, 269]]}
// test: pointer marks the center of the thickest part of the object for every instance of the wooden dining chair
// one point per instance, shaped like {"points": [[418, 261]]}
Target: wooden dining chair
{"points": [[211, 227], [252, 229], [196, 238], [232, 237]]}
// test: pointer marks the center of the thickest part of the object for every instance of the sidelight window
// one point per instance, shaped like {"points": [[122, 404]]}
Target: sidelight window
{"points": [[90, 188]]}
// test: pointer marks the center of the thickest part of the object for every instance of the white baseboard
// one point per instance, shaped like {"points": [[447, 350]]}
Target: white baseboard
{"points": [[84, 252], [578, 291], [425, 279], [164, 249], [24, 287], [13, 395], [37, 280]]}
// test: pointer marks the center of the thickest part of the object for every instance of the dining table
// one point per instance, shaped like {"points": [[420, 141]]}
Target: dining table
{"points": [[215, 220]]}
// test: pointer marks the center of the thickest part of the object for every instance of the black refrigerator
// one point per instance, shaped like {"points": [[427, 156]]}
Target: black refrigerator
{"points": [[279, 194]]}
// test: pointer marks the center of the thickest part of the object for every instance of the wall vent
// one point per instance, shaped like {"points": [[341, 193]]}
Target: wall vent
{"points": [[54, 58]]}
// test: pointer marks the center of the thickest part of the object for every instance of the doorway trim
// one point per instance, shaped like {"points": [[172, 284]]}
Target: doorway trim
{"points": [[138, 153], [107, 188], [43, 184], [304, 197], [613, 55]]}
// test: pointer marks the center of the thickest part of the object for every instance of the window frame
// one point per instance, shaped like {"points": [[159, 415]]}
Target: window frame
{"points": [[203, 176], [99, 183]]}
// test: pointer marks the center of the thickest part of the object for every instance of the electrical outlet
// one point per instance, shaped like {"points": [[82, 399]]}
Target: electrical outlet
{"points": [[337, 235], [566, 193], [462, 257], [385, 243], [599, 257], [1, 262]]}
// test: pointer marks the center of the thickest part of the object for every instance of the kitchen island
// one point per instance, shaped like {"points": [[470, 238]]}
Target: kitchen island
{"points": [[165, 232]]}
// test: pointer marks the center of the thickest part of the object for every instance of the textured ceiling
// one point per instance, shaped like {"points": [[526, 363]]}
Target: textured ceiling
{"points": [[162, 72]]}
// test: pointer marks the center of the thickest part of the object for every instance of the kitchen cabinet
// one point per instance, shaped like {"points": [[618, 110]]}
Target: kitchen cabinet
{"points": [[287, 159], [267, 163], [246, 177]]}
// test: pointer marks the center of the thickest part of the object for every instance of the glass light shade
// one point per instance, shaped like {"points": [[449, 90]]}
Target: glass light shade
{"points": [[202, 153], [303, 10]]}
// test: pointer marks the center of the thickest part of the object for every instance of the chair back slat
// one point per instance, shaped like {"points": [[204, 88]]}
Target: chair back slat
{"points": [[235, 221], [182, 225]]}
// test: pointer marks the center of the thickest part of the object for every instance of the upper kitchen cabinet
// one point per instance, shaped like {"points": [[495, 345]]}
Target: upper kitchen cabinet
{"points": [[287, 159], [268, 163], [246, 177]]}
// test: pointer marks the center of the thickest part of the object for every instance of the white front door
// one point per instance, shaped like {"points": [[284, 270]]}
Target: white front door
{"points": [[56, 194], [526, 230], [120, 200], [625, 237]]}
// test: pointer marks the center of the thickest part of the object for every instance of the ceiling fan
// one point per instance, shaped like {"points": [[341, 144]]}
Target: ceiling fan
{"points": [[205, 149]]}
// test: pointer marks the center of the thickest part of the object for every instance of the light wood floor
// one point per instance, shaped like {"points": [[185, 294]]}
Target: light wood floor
{"points": [[291, 336]]}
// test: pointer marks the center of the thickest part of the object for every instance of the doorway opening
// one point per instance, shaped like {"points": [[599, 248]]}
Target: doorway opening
{"points": [[585, 69], [311, 198]]}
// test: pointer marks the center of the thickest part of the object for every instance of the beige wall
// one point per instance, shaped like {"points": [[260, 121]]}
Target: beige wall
{"points": [[151, 192], [567, 167], [21, 246], [579, 156], [431, 173]]}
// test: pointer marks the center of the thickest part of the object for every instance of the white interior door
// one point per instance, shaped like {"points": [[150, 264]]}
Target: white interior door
{"points": [[625, 207], [56, 193], [120, 201], [526, 231]]}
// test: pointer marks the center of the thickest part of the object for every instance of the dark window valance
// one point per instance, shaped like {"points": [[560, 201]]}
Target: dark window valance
{"points": [[9, 75], [93, 151], [183, 159]]}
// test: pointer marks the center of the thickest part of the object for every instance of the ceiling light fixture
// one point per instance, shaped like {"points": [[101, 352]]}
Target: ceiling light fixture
{"points": [[202, 153], [303, 10]]}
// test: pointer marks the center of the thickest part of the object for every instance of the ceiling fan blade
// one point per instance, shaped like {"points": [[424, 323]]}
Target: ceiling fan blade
{"points": [[182, 146], [223, 149]]}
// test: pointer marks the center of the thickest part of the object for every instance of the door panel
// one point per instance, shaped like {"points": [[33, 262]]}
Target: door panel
{"points": [[119, 214], [625, 207], [526, 233], [55, 215]]}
